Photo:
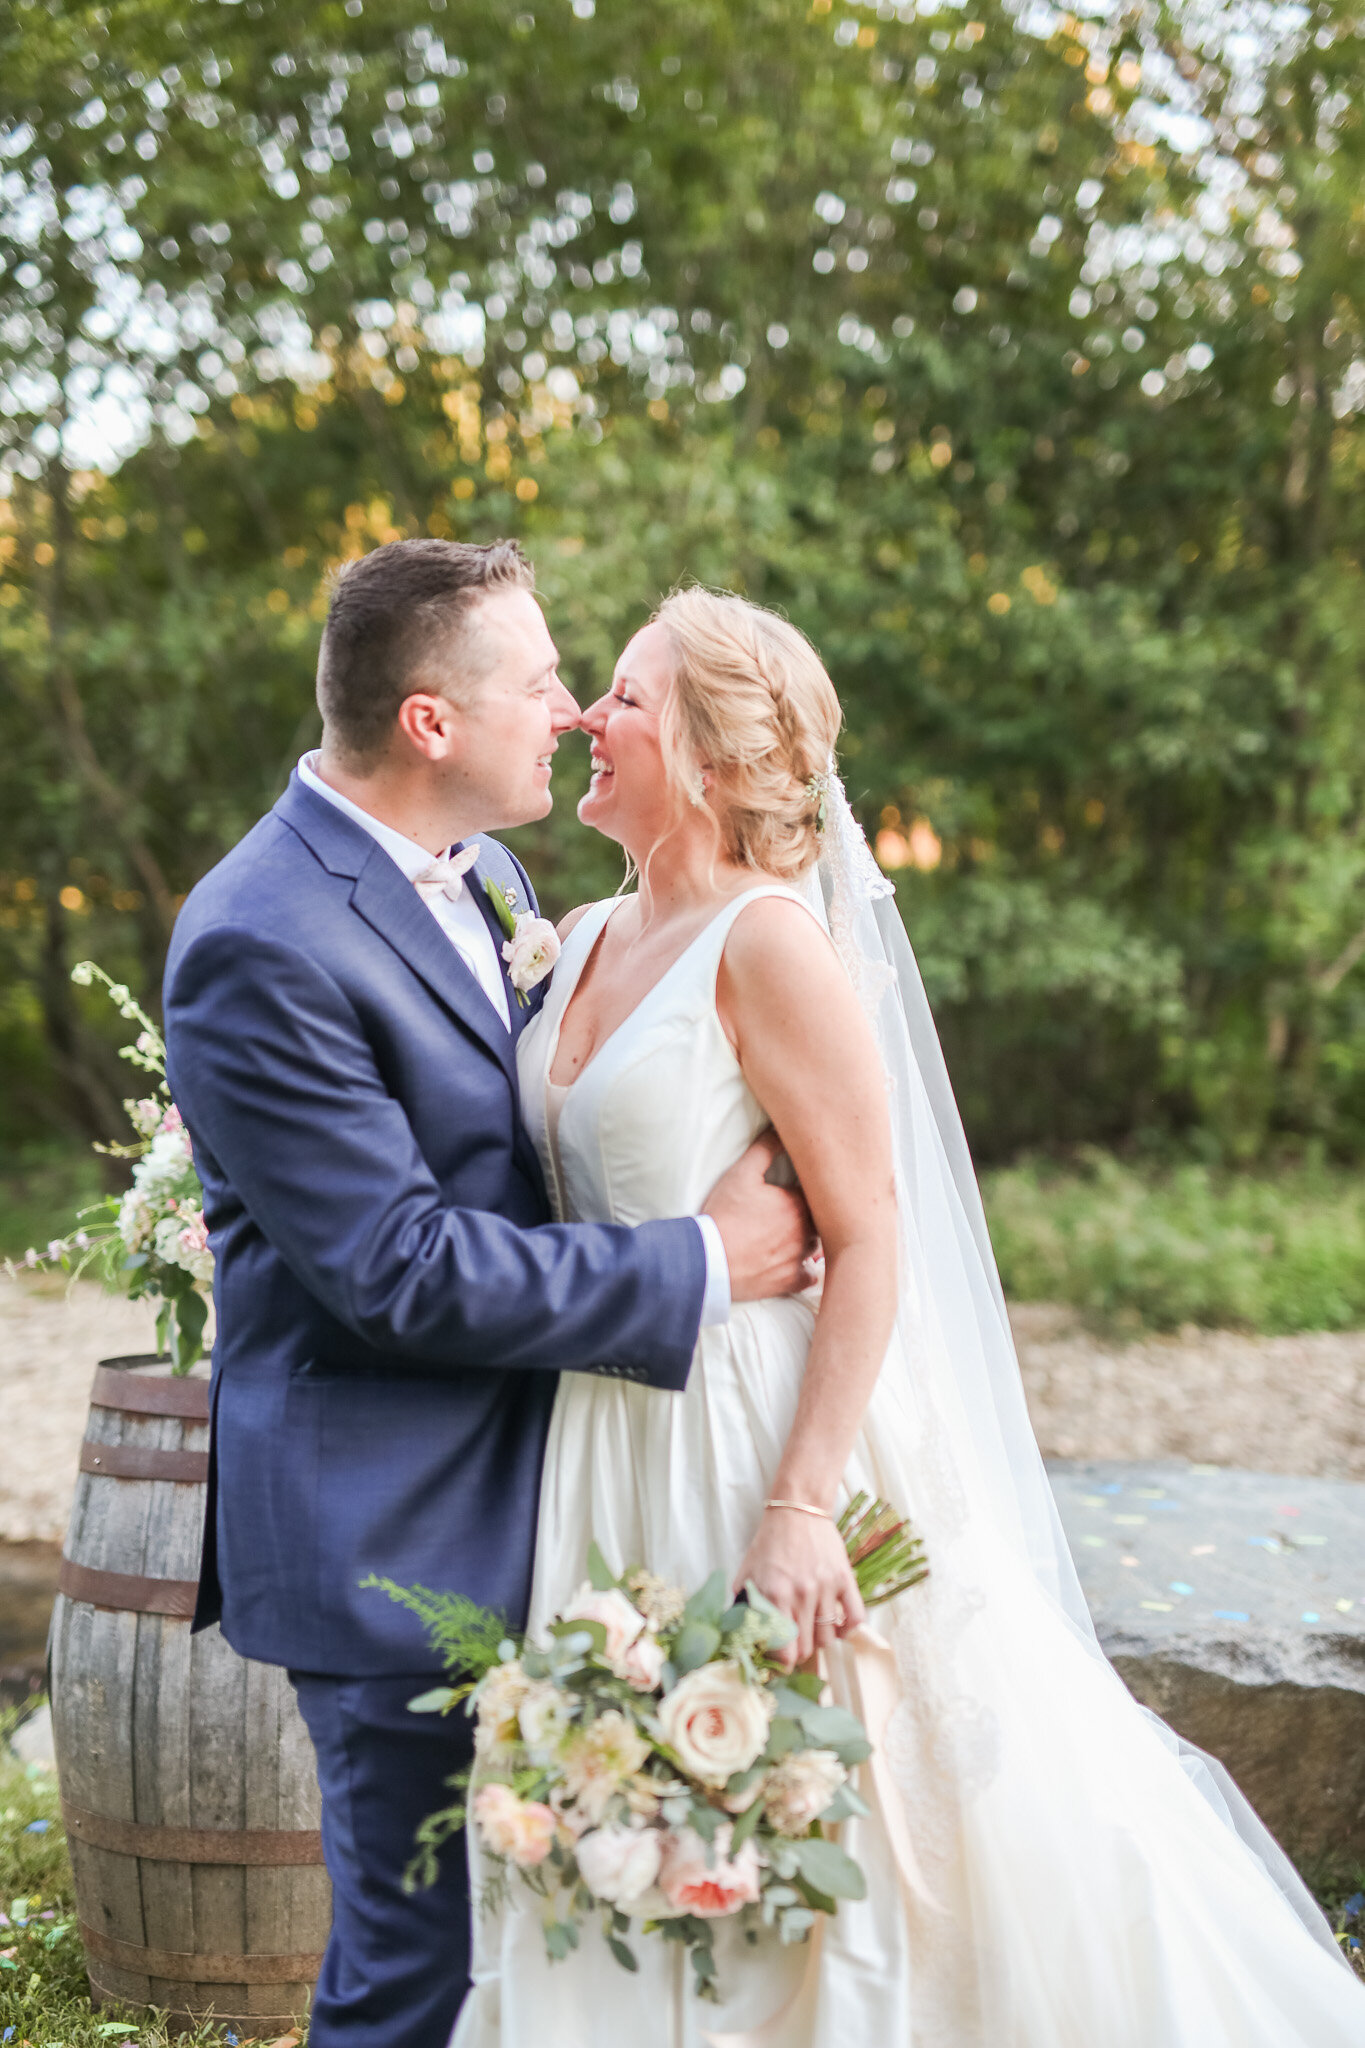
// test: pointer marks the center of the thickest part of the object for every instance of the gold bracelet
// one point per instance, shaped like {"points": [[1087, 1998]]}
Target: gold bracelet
{"points": [[802, 1508]]}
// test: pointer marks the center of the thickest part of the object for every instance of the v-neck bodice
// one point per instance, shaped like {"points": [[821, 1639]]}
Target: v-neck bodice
{"points": [[662, 1109]]}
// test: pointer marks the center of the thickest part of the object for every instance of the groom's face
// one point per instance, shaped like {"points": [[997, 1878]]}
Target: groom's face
{"points": [[509, 720]]}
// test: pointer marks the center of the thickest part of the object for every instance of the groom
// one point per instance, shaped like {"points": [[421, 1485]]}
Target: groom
{"points": [[393, 1305]]}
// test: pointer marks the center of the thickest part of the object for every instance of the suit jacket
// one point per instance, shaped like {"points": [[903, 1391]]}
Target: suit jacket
{"points": [[393, 1306]]}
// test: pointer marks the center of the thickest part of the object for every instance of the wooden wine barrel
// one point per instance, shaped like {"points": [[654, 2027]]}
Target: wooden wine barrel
{"points": [[188, 1782]]}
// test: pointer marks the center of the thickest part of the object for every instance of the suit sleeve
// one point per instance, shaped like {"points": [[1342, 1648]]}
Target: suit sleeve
{"points": [[276, 1079]]}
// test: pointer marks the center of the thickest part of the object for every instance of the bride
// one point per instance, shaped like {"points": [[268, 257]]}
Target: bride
{"points": [[1047, 1866]]}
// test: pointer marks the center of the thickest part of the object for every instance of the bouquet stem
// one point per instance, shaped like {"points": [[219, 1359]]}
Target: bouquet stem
{"points": [[886, 1555]]}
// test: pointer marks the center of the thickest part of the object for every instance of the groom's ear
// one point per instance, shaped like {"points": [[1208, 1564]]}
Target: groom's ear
{"points": [[430, 725]]}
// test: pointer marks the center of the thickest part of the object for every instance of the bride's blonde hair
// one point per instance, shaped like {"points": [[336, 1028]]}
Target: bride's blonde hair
{"points": [[751, 699]]}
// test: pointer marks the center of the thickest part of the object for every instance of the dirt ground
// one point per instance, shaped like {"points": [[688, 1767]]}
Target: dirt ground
{"points": [[1269, 1404]]}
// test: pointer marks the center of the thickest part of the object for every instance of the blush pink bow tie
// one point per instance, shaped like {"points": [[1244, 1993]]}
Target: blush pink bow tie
{"points": [[445, 877]]}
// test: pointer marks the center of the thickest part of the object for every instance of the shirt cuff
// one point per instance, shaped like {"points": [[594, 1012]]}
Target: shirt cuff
{"points": [[715, 1304]]}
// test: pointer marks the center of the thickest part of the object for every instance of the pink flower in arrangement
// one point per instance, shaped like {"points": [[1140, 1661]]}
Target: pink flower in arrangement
{"points": [[707, 1880], [521, 1829], [172, 1121]]}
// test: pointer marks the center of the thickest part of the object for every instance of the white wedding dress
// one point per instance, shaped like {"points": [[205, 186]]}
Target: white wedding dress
{"points": [[1043, 1870]]}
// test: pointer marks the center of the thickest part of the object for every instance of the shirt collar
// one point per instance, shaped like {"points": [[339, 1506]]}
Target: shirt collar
{"points": [[405, 853]]}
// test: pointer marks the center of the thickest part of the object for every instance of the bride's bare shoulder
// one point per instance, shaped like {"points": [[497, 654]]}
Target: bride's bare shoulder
{"points": [[774, 944], [575, 916]]}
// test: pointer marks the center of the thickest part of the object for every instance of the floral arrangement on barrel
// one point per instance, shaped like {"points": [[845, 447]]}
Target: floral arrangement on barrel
{"points": [[150, 1241], [652, 1762]]}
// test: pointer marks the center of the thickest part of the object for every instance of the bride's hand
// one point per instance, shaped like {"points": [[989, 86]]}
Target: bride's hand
{"points": [[798, 1561]]}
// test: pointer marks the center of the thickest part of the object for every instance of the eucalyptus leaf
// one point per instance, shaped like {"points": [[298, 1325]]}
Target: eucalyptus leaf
{"points": [[830, 1869], [696, 1643], [601, 1577]]}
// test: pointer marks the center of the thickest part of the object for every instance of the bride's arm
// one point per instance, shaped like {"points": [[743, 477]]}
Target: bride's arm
{"points": [[809, 1055]]}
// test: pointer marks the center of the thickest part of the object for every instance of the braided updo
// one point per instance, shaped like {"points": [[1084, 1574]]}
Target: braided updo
{"points": [[751, 699]]}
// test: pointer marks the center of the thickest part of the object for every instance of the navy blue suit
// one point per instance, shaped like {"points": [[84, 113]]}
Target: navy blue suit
{"points": [[393, 1307]]}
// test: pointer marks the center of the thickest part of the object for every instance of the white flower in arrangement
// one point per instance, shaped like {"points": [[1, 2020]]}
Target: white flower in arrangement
{"points": [[599, 1758], [521, 1829], [703, 1878], [499, 1698], [145, 1116], [531, 951], [715, 1722], [622, 1622], [136, 1220], [620, 1864], [544, 1717], [799, 1788], [643, 1663]]}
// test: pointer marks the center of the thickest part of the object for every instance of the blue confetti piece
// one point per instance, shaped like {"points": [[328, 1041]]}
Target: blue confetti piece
{"points": [[8, 2034], [1113, 1487], [37, 1827], [1179, 1586], [1263, 1542], [1354, 1904], [1309, 1615], [1165, 1507], [1230, 1614], [232, 2041]]}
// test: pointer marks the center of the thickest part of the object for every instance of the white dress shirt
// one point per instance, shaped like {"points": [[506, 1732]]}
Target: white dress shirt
{"points": [[462, 921], [465, 926]]}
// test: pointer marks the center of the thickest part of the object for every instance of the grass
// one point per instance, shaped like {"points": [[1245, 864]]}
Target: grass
{"points": [[41, 1189], [44, 1995], [1147, 1248]]}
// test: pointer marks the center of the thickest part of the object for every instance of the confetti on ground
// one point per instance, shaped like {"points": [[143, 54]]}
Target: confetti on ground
{"points": [[1345, 1606], [1179, 1586], [1312, 1539], [1203, 1549], [1309, 1614], [1289, 1511], [1130, 1560], [1095, 1542], [1157, 1606], [1131, 1521], [1230, 1614]]}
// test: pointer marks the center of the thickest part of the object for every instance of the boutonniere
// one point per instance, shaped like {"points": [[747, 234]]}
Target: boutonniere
{"points": [[531, 946]]}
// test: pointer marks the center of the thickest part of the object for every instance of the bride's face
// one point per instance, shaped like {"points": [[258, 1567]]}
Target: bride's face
{"points": [[630, 797]]}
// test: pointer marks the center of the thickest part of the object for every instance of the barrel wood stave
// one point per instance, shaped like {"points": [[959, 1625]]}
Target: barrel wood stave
{"points": [[159, 1729]]}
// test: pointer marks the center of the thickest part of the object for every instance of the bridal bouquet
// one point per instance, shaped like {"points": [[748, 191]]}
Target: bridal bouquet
{"points": [[651, 1763], [152, 1240]]}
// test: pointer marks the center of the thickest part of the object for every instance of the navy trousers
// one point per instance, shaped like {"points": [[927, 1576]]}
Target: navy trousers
{"points": [[397, 1963]]}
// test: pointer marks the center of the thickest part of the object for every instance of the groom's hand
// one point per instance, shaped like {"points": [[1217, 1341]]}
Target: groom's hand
{"points": [[767, 1231]]}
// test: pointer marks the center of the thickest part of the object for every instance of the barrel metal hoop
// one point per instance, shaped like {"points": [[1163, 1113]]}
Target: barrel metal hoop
{"points": [[144, 1461], [140, 1394], [125, 1592], [261, 1848], [186, 1967]]}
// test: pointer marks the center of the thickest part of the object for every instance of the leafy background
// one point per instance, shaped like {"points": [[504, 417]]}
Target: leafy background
{"points": [[1015, 354]]}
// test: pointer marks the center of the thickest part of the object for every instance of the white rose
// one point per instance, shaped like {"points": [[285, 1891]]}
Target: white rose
{"points": [[531, 951], [619, 1864], [621, 1621], [499, 1698], [714, 1722], [799, 1789], [544, 1714], [643, 1663]]}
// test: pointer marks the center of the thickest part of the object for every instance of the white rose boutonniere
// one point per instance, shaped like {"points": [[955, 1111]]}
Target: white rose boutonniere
{"points": [[531, 947]]}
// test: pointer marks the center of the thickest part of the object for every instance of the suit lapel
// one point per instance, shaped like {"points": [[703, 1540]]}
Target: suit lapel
{"points": [[480, 875], [388, 902], [392, 907]]}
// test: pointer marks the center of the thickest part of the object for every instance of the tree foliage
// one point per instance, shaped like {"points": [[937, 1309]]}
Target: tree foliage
{"points": [[1016, 355]]}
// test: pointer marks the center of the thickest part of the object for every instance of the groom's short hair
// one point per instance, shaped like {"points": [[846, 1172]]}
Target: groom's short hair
{"points": [[391, 612]]}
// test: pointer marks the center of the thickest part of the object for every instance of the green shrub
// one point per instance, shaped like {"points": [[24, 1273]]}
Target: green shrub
{"points": [[1155, 1248]]}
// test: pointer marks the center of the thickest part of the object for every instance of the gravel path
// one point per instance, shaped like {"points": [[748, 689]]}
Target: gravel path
{"points": [[1268, 1404], [50, 1344]]}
